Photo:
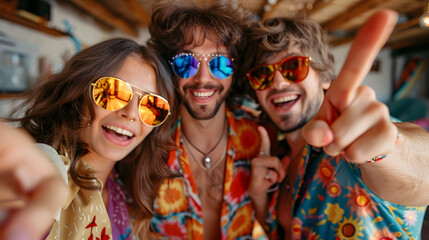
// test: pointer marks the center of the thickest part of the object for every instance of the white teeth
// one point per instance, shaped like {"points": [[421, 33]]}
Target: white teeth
{"points": [[120, 131], [203, 94], [285, 99]]}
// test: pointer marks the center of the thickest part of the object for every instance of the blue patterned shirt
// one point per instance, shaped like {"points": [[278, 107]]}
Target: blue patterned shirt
{"points": [[331, 201]]}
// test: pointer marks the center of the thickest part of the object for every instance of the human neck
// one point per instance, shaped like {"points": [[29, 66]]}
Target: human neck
{"points": [[296, 142], [102, 167], [206, 132]]}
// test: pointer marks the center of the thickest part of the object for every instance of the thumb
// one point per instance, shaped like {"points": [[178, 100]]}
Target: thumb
{"points": [[317, 133], [265, 142]]}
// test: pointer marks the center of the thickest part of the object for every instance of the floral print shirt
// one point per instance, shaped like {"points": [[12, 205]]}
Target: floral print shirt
{"points": [[331, 201], [178, 213]]}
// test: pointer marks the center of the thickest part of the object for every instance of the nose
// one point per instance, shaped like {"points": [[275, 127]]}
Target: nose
{"points": [[131, 111], [203, 75], [279, 82]]}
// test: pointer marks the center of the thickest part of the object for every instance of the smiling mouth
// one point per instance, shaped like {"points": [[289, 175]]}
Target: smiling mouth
{"points": [[285, 102], [205, 94], [118, 131]]}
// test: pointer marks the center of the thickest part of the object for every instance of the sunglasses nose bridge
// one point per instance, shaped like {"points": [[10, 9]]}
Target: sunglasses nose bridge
{"points": [[279, 81], [276, 68], [203, 73], [131, 110]]}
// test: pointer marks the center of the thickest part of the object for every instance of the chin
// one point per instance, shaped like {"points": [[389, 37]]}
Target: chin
{"points": [[115, 156]]}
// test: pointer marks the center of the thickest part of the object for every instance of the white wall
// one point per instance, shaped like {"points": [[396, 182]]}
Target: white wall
{"points": [[84, 27], [380, 81]]}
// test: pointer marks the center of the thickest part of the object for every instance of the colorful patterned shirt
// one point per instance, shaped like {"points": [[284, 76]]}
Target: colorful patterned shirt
{"points": [[331, 201], [178, 213], [84, 215]]}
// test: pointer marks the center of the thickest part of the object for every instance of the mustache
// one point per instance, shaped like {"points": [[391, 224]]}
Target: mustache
{"points": [[277, 91]]}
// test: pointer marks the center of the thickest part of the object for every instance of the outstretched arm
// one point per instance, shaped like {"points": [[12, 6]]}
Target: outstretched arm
{"points": [[353, 123], [403, 176], [31, 188]]}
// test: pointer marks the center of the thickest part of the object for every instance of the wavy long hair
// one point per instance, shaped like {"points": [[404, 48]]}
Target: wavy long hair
{"points": [[174, 23], [275, 35], [57, 110]]}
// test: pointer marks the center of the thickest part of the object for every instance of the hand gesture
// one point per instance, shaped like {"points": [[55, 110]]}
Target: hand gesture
{"points": [[351, 121], [266, 170], [31, 188]]}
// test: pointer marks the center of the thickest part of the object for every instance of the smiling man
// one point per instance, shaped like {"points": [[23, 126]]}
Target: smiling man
{"points": [[214, 143], [348, 171]]}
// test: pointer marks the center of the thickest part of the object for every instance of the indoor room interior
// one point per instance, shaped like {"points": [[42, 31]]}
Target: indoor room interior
{"points": [[38, 36]]}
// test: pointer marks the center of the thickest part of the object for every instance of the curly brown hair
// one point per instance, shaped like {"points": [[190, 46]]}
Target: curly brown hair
{"points": [[174, 23], [57, 110]]}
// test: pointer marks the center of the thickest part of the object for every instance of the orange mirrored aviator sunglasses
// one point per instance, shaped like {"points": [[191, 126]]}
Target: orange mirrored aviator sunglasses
{"points": [[294, 69], [113, 94]]}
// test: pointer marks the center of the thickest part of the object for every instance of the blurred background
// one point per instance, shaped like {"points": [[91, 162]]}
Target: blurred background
{"points": [[38, 36]]}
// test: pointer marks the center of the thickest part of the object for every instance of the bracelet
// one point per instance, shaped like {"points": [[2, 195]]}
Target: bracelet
{"points": [[376, 159], [381, 157]]}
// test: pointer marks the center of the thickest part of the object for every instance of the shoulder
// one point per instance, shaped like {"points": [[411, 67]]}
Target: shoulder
{"points": [[241, 116], [61, 162], [244, 134], [242, 123]]}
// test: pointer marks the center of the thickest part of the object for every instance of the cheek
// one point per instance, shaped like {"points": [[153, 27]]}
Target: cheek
{"points": [[145, 131], [94, 127], [227, 83], [181, 83], [88, 135], [261, 96]]}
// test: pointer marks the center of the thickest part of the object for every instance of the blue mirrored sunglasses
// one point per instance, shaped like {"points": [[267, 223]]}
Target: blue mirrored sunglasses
{"points": [[186, 65]]}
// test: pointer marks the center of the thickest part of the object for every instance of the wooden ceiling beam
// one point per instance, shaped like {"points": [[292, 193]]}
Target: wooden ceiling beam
{"points": [[341, 41], [269, 14], [138, 12], [396, 39], [405, 25], [103, 14], [317, 5], [352, 12], [401, 30]]}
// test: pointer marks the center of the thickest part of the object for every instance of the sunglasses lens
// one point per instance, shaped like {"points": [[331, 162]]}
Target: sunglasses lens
{"points": [[185, 66], [221, 67], [261, 77], [295, 69], [114, 94], [153, 110], [111, 94]]}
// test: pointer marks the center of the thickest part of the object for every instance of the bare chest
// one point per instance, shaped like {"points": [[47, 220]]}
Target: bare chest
{"points": [[210, 191]]}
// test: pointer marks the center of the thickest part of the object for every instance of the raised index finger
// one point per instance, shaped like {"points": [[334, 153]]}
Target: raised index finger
{"points": [[368, 42], [265, 141]]}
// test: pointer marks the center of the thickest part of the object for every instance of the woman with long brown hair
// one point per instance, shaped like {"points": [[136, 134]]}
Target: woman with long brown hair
{"points": [[110, 103]]}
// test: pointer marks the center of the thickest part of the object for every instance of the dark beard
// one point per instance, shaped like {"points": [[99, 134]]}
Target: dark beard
{"points": [[301, 123], [196, 115], [312, 110]]}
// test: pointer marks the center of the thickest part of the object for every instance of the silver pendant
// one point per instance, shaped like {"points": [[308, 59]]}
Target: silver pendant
{"points": [[207, 162]]}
